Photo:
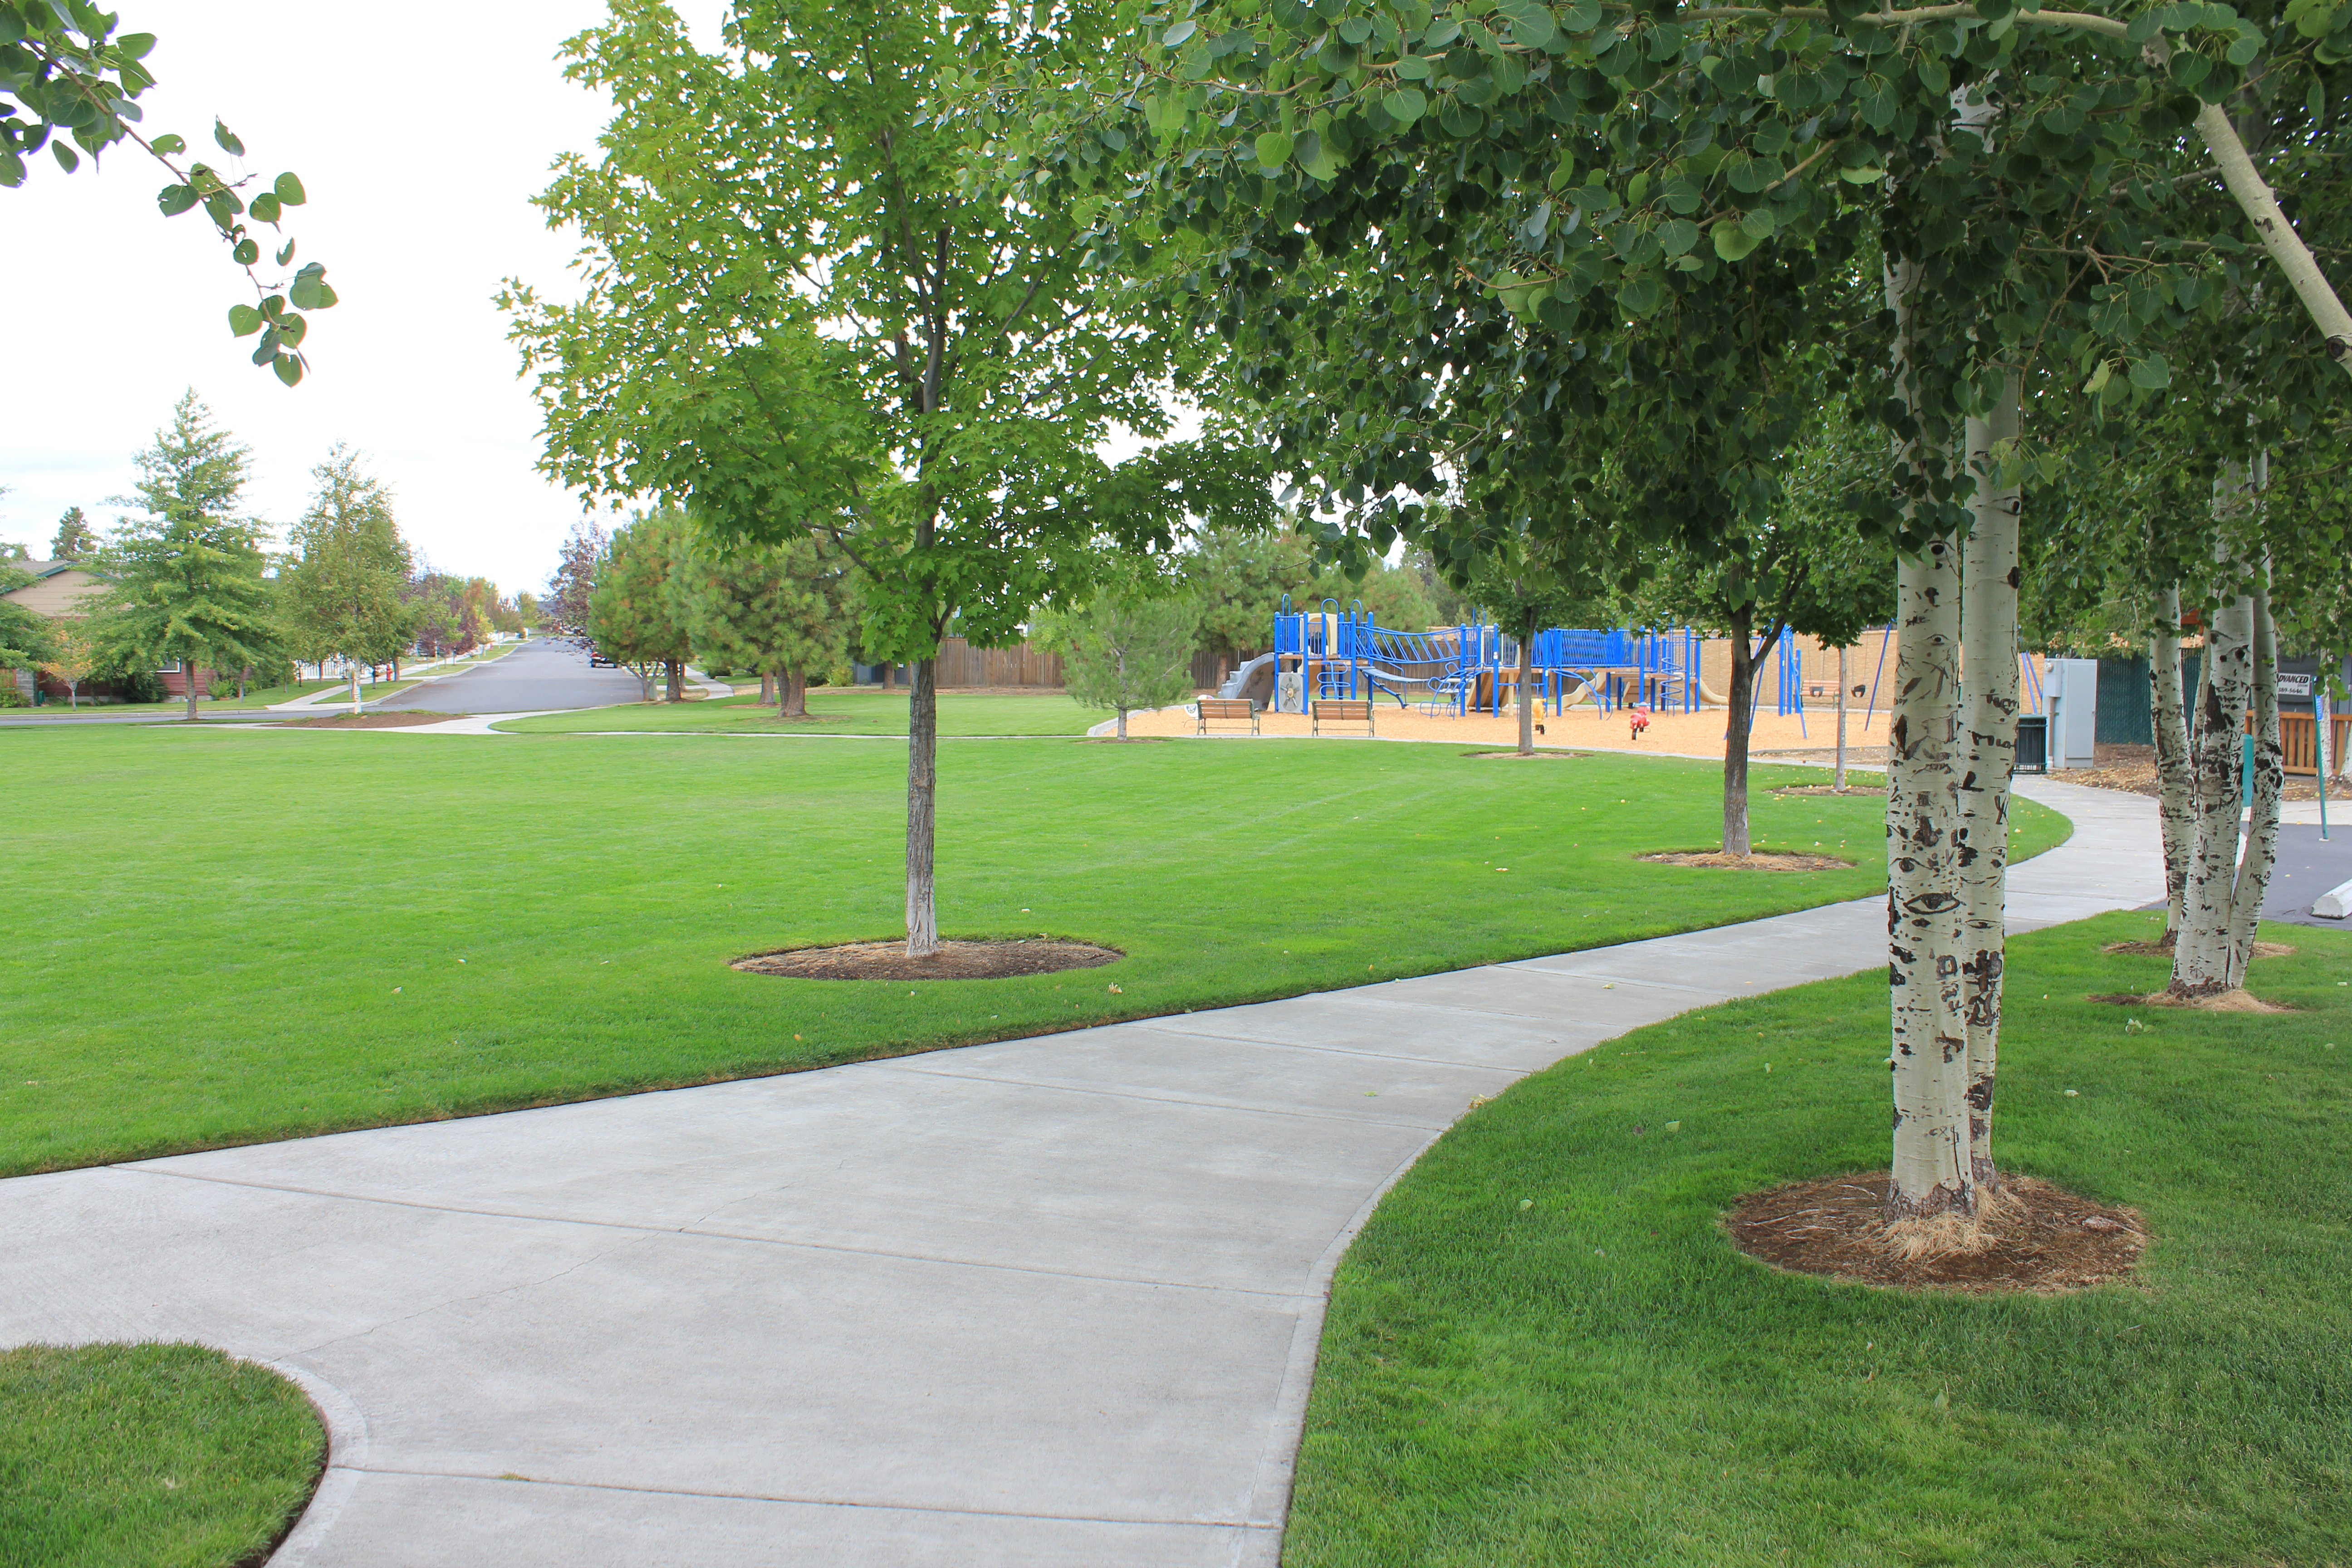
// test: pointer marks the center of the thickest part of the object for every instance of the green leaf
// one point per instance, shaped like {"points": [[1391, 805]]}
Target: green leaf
{"points": [[1273, 149], [168, 144], [244, 252], [2151, 374], [1759, 223], [286, 254], [243, 320], [1531, 25], [2099, 378], [1641, 297], [135, 46], [1405, 105], [1178, 34], [289, 191], [175, 199], [289, 368], [1678, 235], [1732, 240], [1412, 68], [66, 159], [1866, 175], [1356, 29], [309, 291], [265, 208], [227, 140], [12, 169]]}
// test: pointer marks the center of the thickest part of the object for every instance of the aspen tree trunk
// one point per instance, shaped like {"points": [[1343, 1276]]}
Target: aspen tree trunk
{"points": [[1736, 725], [2253, 872], [1933, 1171], [355, 688], [922, 802], [2173, 781], [1989, 683], [2201, 955], [1839, 787], [1122, 724]]}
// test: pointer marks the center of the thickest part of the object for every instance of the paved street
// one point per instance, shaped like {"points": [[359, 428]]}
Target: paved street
{"points": [[1050, 1301], [537, 676]]}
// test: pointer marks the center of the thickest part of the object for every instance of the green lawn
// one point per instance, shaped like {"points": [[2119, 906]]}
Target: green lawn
{"points": [[859, 710], [148, 1456], [237, 935], [1598, 1378]]}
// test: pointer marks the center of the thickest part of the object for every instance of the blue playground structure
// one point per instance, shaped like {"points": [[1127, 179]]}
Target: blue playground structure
{"points": [[1473, 667]]}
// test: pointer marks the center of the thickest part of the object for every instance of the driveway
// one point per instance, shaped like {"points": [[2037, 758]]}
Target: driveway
{"points": [[1049, 1302], [536, 677]]}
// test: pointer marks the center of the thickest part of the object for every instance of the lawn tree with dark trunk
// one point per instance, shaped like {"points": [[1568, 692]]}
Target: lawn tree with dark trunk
{"points": [[869, 331], [1527, 588], [184, 583]]}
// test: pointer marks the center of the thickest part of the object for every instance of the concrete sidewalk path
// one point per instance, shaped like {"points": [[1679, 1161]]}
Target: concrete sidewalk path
{"points": [[1050, 1302]]}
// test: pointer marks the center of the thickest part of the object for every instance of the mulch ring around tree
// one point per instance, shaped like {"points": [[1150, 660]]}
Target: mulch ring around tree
{"points": [[991, 960], [1878, 790], [2164, 948], [368, 721], [2237, 1001], [2035, 1237], [1529, 756], [1757, 860]]}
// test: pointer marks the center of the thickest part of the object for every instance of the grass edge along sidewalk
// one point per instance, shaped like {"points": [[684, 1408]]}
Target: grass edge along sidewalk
{"points": [[120, 1456], [487, 932], [1543, 1349]]}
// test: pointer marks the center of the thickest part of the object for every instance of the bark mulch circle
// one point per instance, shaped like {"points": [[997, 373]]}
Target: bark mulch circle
{"points": [[993, 960], [1529, 756], [368, 721], [2038, 1238], [2239, 1000], [1878, 790], [2164, 948], [1758, 861]]}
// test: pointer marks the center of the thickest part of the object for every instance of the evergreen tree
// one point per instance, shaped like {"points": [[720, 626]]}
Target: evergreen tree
{"points": [[345, 595], [1129, 648], [779, 610], [74, 538], [185, 583]]}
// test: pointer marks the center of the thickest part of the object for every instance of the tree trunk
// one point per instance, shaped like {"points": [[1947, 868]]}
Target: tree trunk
{"points": [[922, 800], [1838, 786], [889, 677], [1526, 707], [2173, 781], [672, 690], [1739, 721], [1988, 685], [793, 694], [1933, 1171], [767, 687], [355, 688], [2201, 955], [190, 666], [1122, 724], [241, 674], [2254, 865]]}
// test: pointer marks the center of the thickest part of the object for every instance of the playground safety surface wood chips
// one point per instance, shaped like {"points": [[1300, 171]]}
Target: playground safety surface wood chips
{"points": [[2038, 1239], [953, 961]]}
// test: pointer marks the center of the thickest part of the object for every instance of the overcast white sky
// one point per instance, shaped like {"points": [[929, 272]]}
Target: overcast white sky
{"points": [[420, 146]]}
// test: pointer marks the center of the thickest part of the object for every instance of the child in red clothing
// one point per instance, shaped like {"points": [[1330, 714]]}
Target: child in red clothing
{"points": [[1641, 718]]}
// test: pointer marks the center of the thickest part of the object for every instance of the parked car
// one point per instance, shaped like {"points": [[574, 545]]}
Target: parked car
{"points": [[599, 660]]}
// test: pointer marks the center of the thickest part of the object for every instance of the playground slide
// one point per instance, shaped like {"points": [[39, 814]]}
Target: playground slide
{"points": [[1245, 682]]}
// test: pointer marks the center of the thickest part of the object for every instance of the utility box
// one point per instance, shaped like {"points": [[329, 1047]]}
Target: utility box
{"points": [[2073, 688]]}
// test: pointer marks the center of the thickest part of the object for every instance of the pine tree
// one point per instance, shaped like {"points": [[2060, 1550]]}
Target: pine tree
{"points": [[779, 610], [74, 538]]}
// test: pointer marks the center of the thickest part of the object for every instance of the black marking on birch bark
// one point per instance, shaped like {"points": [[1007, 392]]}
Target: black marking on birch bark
{"points": [[1979, 1098], [1934, 902]]}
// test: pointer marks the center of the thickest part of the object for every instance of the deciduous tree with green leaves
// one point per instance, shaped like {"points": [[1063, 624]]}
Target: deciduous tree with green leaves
{"points": [[345, 590], [634, 615], [815, 303]]}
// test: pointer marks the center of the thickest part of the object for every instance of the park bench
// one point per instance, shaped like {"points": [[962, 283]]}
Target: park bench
{"points": [[1232, 710], [1343, 710]]}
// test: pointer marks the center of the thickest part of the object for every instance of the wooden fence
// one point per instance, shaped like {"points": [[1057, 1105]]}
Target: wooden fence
{"points": [[2299, 738], [961, 664]]}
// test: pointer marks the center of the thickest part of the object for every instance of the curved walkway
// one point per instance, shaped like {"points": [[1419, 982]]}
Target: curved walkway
{"points": [[1048, 1301]]}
